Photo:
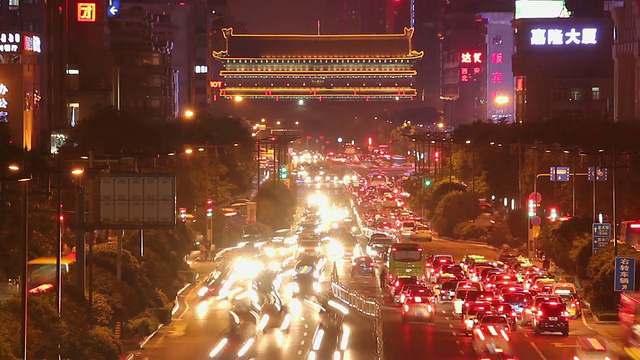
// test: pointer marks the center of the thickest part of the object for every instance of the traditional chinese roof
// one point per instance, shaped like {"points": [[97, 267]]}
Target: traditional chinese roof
{"points": [[275, 46]]}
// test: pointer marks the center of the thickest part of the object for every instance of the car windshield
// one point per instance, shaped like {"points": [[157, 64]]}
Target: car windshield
{"points": [[513, 298], [452, 268], [449, 285], [475, 309], [407, 255], [405, 281], [552, 309], [493, 320], [462, 294], [421, 292], [422, 228]]}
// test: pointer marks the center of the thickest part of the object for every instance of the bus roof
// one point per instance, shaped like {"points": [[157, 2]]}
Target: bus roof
{"points": [[405, 246], [49, 260]]}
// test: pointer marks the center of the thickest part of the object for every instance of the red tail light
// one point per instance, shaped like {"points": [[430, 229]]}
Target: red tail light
{"points": [[370, 264], [397, 283]]}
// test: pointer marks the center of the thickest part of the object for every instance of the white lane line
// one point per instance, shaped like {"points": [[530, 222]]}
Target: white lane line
{"points": [[526, 335], [444, 311], [584, 321], [301, 318], [454, 333], [451, 326], [457, 342], [306, 326], [447, 318], [299, 352], [533, 345], [461, 352], [305, 334], [302, 342]]}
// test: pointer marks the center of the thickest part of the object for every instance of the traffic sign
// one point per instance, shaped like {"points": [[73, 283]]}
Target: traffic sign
{"points": [[625, 274], [113, 8], [597, 174], [559, 173], [536, 197], [601, 233], [536, 221]]}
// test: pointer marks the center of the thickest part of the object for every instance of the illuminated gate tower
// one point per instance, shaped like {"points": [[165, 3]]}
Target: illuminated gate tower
{"points": [[340, 67]]}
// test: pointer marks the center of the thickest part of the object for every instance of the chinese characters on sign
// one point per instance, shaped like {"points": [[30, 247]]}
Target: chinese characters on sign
{"points": [[601, 236], [625, 271], [9, 42], [497, 58], [559, 173], [588, 36], [86, 12], [470, 57], [4, 115], [496, 77], [32, 43], [597, 174]]}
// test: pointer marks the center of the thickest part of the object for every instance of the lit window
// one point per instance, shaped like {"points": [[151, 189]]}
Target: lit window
{"points": [[595, 93], [14, 4], [202, 69], [496, 58], [74, 110], [496, 77], [576, 94]]}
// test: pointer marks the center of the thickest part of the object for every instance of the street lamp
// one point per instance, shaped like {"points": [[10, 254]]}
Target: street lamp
{"points": [[188, 113]]}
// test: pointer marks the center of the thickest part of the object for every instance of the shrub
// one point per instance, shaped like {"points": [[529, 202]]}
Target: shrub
{"points": [[141, 326], [469, 230], [103, 344]]}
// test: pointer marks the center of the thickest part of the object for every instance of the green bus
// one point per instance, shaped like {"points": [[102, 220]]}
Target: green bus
{"points": [[405, 259]]}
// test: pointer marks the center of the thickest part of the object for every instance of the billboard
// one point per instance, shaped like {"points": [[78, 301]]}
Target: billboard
{"points": [[137, 201], [540, 9], [563, 35]]}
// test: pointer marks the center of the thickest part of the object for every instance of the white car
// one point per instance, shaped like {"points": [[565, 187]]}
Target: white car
{"points": [[422, 232]]}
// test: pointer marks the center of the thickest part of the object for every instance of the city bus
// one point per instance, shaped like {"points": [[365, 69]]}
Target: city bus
{"points": [[405, 259], [630, 233], [41, 273], [629, 316]]}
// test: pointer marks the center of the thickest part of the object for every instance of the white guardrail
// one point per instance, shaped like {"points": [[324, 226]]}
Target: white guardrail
{"points": [[366, 305]]}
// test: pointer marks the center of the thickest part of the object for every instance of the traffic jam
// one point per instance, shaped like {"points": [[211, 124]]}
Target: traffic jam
{"points": [[485, 299]]}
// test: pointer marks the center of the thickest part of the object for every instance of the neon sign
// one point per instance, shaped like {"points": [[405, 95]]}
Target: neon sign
{"points": [[4, 115], [215, 84], [86, 12], [559, 37], [471, 57], [9, 42]]}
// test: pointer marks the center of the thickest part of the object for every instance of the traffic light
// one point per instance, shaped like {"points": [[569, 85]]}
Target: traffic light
{"points": [[61, 218], [209, 208], [283, 172], [183, 214], [427, 182], [436, 156], [532, 208], [553, 214]]}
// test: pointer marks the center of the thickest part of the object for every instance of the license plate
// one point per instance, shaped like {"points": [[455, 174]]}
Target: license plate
{"points": [[553, 318]]}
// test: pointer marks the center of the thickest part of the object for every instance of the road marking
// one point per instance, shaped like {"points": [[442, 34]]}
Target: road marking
{"points": [[454, 333], [305, 334], [302, 342], [451, 326], [447, 318], [563, 345], [299, 352], [526, 335], [306, 326], [301, 318], [457, 342], [461, 352], [584, 321], [533, 345], [444, 311]]}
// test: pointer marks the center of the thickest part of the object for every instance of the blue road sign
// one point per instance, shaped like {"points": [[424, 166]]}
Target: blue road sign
{"points": [[597, 174], [625, 274], [601, 235], [559, 173], [113, 8]]}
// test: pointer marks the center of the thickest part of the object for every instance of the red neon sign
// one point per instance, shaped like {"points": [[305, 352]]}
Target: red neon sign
{"points": [[86, 12], [215, 84]]}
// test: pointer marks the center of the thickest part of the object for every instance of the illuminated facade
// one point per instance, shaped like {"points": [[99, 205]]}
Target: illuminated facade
{"points": [[344, 67], [20, 92], [563, 69]]}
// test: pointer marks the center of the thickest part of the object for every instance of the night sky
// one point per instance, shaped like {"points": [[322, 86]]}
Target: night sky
{"points": [[278, 16]]}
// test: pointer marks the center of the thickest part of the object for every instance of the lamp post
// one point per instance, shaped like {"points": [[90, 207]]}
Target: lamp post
{"points": [[24, 289]]}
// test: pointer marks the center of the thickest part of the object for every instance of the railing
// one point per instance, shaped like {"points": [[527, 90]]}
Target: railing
{"points": [[366, 305]]}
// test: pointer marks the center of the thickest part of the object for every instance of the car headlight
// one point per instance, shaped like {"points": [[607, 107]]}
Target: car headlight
{"points": [[203, 291], [316, 286]]}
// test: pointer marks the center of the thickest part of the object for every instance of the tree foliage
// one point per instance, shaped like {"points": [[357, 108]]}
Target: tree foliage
{"points": [[455, 207], [276, 205]]}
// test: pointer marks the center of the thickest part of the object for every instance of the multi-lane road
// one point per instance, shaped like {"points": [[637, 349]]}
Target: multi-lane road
{"points": [[444, 339]]}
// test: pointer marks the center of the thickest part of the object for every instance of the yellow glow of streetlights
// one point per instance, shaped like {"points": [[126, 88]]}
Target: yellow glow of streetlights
{"points": [[501, 99], [468, 141], [297, 122], [201, 149], [188, 151], [14, 167], [278, 122], [188, 113], [440, 125], [262, 120], [238, 98], [77, 171]]}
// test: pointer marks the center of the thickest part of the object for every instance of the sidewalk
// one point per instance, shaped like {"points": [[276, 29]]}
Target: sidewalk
{"points": [[611, 331]]}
